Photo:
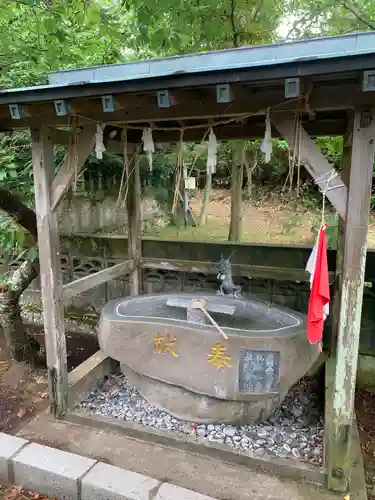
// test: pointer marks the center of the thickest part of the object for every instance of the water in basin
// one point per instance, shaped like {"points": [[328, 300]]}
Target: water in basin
{"points": [[249, 315]]}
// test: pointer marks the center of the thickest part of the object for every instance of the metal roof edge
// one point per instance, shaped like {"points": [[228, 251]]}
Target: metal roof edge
{"points": [[218, 51], [242, 57], [348, 61]]}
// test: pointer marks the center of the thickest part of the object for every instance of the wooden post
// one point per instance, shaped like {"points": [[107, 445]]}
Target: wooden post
{"points": [[236, 199], [345, 176], [133, 204], [50, 271], [354, 260]]}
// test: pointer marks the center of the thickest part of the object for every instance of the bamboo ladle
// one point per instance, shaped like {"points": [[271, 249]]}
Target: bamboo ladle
{"points": [[200, 304]]}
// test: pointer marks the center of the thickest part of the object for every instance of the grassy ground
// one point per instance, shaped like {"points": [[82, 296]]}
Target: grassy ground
{"points": [[268, 221]]}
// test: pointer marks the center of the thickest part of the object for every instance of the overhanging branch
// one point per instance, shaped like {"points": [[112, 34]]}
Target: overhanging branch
{"points": [[22, 214], [358, 15]]}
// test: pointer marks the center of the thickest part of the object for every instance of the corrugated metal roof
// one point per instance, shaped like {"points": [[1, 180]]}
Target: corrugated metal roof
{"points": [[241, 58], [326, 55]]}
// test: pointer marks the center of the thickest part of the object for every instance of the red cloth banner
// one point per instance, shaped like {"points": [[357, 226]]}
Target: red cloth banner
{"points": [[317, 266]]}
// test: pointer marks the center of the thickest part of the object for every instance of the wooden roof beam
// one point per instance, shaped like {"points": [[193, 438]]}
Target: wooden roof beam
{"points": [[137, 109]]}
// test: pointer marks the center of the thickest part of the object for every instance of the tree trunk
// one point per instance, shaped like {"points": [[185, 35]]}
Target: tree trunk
{"points": [[236, 201], [20, 346], [181, 214], [206, 199], [177, 206], [249, 171]]}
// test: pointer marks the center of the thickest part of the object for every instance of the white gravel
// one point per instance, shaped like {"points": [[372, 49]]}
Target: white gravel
{"points": [[295, 431]]}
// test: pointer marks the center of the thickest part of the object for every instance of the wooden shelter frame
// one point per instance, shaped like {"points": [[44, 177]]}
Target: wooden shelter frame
{"points": [[331, 100]]}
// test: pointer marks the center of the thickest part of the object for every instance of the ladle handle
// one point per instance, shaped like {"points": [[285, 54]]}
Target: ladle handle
{"points": [[224, 335]]}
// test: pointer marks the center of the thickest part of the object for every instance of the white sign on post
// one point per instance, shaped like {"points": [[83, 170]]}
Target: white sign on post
{"points": [[190, 183]]}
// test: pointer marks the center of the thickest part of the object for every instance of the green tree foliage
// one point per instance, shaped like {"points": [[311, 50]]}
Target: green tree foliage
{"points": [[310, 18], [168, 27], [40, 36], [15, 164]]}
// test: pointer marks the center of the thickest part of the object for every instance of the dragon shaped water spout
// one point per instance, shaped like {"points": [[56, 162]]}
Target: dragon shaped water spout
{"points": [[227, 287]]}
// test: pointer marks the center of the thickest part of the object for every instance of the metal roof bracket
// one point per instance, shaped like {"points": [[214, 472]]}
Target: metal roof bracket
{"points": [[109, 103], [164, 98], [368, 81], [292, 88], [15, 111], [61, 107], [224, 93]]}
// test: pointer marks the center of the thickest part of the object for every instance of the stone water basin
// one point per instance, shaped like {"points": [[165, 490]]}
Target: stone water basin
{"points": [[181, 363]]}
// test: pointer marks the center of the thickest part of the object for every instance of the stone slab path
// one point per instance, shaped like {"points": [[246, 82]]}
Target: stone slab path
{"points": [[68, 476], [204, 475]]}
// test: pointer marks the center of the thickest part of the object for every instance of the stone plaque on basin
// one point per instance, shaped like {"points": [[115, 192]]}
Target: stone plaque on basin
{"points": [[259, 371]]}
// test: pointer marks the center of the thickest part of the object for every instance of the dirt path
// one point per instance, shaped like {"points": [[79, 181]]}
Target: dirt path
{"points": [[23, 391], [17, 493], [365, 405]]}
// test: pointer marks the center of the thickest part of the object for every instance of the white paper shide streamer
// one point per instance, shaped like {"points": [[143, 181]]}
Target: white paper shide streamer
{"points": [[266, 146], [211, 153], [148, 145], [99, 144]]}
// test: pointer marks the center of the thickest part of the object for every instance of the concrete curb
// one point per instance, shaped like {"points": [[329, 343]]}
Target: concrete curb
{"points": [[69, 476]]}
